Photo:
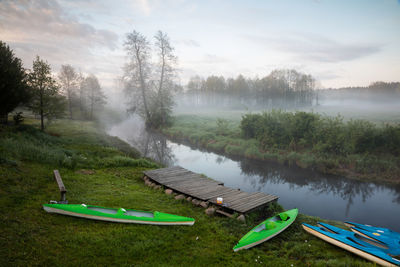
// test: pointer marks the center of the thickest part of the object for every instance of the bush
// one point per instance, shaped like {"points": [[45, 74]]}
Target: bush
{"points": [[325, 135]]}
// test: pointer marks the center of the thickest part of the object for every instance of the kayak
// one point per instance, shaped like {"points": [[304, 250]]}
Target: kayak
{"points": [[373, 250], [267, 229], [120, 215], [376, 231]]}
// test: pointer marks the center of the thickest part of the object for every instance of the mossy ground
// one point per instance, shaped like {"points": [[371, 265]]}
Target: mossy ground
{"points": [[30, 236]]}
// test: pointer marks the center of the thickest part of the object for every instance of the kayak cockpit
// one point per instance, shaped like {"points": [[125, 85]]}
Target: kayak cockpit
{"points": [[125, 212]]}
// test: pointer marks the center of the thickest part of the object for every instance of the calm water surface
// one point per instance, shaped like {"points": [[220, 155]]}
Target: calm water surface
{"points": [[325, 196]]}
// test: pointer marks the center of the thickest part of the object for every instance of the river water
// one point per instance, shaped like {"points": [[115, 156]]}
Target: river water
{"points": [[325, 196]]}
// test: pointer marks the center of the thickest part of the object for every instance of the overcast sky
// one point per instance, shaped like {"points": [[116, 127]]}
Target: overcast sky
{"points": [[341, 43]]}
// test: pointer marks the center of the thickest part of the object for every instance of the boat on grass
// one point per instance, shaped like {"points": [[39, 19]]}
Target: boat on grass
{"points": [[267, 229], [378, 251], [375, 231], [120, 215]]}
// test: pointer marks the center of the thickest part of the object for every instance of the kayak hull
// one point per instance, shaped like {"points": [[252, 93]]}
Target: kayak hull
{"points": [[255, 237], [340, 239], [119, 217]]}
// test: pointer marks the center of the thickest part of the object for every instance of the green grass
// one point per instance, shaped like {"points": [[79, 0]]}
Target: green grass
{"points": [[30, 236]]}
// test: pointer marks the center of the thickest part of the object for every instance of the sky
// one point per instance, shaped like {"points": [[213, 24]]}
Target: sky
{"points": [[340, 43]]}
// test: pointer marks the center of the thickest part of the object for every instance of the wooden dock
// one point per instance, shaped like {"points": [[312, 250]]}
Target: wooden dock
{"points": [[206, 189]]}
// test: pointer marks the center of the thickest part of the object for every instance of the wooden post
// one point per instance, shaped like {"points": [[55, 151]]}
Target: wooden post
{"points": [[61, 186]]}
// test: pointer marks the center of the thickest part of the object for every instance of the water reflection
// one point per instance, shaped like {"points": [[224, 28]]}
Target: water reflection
{"points": [[153, 145]]}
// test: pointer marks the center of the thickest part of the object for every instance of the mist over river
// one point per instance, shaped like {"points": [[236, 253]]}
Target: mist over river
{"points": [[325, 196]]}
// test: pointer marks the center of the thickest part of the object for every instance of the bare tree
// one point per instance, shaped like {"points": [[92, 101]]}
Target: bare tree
{"points": [[166, 62], [138, 74], [95, 96], [69, 82]]}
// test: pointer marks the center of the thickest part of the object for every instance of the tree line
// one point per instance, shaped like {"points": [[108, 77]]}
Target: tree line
{"points": [[45, 95], [281, 88], [375, 92]]}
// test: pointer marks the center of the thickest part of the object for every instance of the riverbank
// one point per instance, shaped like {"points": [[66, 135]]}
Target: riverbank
{"points": [[103, 170], [224, 136]]}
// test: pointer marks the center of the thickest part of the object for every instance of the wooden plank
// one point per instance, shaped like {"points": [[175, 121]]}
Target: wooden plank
{"points": [[166, 177], [200, 187], [60, 184], [224, 213], [161, 171], [250, 202], [196, 187], [218, 192], [173, 175], [190, 184], [254, 203], [188, 178], [244, 198], [228, 198]]}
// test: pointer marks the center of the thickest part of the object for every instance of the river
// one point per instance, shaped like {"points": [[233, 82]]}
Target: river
{"points": [[313, 193]]}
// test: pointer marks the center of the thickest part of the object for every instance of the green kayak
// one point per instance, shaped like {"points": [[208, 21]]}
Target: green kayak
{"points": [[117, 215], [267, 229]]}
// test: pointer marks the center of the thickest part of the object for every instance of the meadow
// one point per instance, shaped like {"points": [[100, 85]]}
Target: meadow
{"points": [[102, 170]]}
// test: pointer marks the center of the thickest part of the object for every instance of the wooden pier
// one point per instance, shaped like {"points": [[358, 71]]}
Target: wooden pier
{"points": [[197, 186]]}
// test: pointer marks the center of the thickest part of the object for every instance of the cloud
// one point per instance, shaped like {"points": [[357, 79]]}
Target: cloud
{"points": [[47, 20], [318, 48], [47, 29]]}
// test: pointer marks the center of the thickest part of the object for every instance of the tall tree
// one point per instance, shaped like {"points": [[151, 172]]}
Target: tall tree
{"points": [[95, 96], [46, 99], [13, 82], [165, 84], [69, 83], [138, 74]]}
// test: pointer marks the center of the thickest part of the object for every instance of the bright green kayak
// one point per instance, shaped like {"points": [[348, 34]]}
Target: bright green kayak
{"points": [[267, 229], [117, 215]]}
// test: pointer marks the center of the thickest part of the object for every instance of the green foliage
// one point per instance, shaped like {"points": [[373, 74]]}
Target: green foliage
{"points": [[222, 126], [70, 145], [301, 130], [13, 87], [46, 100]]}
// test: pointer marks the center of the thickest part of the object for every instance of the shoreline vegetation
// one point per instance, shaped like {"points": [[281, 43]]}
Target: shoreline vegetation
{"points": [[102, 170], [356, 149]]}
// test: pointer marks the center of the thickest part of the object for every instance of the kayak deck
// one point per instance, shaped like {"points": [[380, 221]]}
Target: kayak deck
{"points": [[117, 215], [267, 230], [369, 249]]}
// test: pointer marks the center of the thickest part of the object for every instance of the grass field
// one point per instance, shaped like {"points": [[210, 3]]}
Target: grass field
{"points": [[30, 236]]}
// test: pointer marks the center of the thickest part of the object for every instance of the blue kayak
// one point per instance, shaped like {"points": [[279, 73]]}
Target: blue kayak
{"points": [[376, 231], [378, 251]]}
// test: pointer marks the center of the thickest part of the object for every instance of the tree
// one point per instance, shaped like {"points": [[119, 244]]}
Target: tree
{"points": [[95, 96], [13, 82], [137, 74], [150, 86], [164, 98], [69, 83], [46, 99]]}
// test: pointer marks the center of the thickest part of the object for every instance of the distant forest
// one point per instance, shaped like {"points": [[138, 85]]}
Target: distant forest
{"points": [[280, 89], [375, 92]]}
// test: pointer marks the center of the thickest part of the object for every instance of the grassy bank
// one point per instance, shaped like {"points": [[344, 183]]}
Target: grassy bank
{"points": [[358, 161], [98, 169]]}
